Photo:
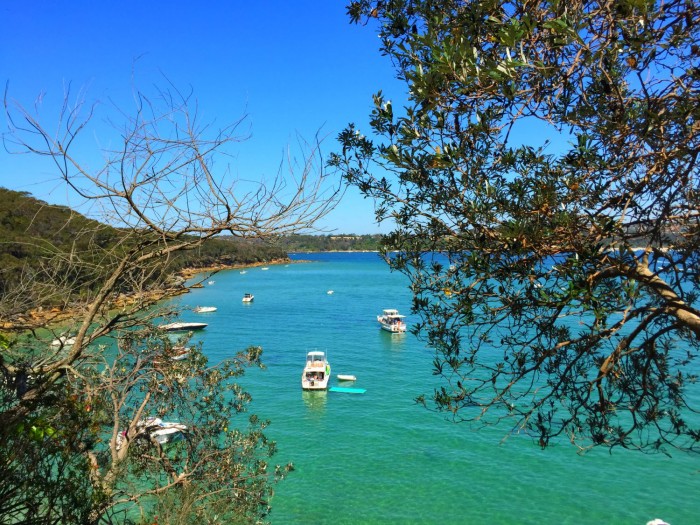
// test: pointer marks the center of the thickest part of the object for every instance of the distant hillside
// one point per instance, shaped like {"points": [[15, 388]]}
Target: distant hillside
{"points": [[329, 243], [36, 236]]}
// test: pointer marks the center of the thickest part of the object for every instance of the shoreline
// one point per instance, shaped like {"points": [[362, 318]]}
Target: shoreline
{"points": [[189, 273], [47, 317]]}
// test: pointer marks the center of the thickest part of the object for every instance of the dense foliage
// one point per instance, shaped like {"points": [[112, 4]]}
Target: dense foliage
{"points": [[549, 150], [47, 244], [84, 457], [329, 243]]}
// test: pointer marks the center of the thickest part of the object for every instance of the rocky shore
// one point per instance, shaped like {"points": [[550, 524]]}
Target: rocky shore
{"points": [[44, 317]]}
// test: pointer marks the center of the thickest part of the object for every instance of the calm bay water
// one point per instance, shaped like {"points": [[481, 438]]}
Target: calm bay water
{"points": [[378, 457]]}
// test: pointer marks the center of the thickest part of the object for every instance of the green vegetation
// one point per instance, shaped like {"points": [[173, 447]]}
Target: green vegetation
{"points": [[329, 243], [80, 386], [550, 150], [40, 242]]}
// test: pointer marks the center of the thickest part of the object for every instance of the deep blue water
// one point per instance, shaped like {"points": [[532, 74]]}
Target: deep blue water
{"points": [[379, 457]]}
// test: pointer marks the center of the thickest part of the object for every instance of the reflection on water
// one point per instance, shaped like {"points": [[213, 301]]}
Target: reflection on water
{"points": [[392, 340], [315, 400]]}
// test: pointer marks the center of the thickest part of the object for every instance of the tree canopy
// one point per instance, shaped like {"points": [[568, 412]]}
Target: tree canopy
{"points": [[542, 178], [82, 399]]}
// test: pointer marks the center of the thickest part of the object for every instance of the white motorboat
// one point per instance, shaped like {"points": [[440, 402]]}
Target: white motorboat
{"points": [[156, 429], [391, 321], [317, 371], [182, 327], [176, 353], [248, 298], [64, 340], [346, 377], [211, 282], [180, 352], [205, 309], [168, 432]]}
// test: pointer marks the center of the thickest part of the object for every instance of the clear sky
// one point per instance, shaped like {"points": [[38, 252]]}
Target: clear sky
{"points": [[293, 67]]}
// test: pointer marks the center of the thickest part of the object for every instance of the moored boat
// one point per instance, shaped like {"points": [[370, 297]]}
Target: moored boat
{"points": [[154, 428], [204, 309], [317, 371], [168, 432], [64, 340], [182, 327], [180, 352], [346, 377], [248, 298], [391, 321]]}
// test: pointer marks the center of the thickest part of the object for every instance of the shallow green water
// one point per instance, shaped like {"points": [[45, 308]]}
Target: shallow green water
{"points": [[378, 457]]}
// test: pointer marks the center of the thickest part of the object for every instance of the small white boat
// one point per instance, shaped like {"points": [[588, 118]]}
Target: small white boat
{"points": [[264, 268], [155, 428], [330, 292], [317, 371], [248, 298], [346, 377], [205, 309], [182, 327], [63, 341], [211, 282], [391, 321], [169, 432], [243, 272], [180, 352]]}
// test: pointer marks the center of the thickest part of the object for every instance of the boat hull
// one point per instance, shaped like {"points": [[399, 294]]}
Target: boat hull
{"points": [[394, 328], [314, 384], [182, 327]]}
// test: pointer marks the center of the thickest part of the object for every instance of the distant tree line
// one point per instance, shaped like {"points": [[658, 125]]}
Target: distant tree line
{"points": [[329, 243]]}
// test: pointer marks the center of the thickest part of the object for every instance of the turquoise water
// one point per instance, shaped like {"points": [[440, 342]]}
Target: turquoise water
{"points": [[378, 457]]}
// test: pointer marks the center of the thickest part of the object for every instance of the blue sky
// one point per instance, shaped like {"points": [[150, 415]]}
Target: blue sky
{"points": [[293, 67]]}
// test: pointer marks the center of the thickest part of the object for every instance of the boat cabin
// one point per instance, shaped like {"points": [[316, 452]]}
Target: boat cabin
{"points": [[316, 359]]}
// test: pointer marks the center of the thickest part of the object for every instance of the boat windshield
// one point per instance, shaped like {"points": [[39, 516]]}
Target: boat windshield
{"points": [[313, 357]]}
